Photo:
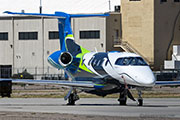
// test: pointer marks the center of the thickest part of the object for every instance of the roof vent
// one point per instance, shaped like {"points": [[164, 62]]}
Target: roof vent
{"points": [[22, 11], [117, 8]]}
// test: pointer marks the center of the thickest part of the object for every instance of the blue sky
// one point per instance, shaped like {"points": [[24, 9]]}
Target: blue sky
{"points": [[49, 6]]}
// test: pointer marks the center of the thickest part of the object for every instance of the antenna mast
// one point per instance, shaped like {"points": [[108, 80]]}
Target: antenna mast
{"points": [[109, 5], [40, 7]]}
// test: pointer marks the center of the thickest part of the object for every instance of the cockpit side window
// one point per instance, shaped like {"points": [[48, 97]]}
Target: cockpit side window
{"points": [[126, 61], [140, 61], [133, 61]]}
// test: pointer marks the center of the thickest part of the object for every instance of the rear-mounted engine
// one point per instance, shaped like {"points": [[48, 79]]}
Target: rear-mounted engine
{"points": [[65, 59]]}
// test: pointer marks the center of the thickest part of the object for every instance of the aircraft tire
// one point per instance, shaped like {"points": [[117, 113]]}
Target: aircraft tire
{"points": [[123, 102], [71, 100], [140, 102]]}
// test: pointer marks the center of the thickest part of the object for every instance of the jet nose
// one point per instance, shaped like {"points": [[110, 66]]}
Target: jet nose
{"points": [[149, 82], [147, 79], [144, 76]]}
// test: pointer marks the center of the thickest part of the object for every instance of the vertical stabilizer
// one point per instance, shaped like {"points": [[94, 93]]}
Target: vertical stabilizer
{"points": [[65, 31]]}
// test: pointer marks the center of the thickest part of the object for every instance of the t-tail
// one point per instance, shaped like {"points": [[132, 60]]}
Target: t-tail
{"points": [[70, 54]]}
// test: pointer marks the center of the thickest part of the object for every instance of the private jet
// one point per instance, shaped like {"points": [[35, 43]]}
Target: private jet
{"points": [[99, 73]]}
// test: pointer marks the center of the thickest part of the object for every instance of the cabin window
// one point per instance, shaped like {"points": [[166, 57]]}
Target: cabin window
{"points": [[119, 61], [3, 35], [90, 60], [89, 34], [28, 35], [99, 63], [106, 62], [95, 62]]}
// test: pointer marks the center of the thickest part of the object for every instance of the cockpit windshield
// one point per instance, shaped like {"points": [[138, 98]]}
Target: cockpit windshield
{"points": [[136, 61]]}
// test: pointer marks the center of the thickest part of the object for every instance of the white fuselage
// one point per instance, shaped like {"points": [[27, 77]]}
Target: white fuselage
{"points": [[127, 68]]}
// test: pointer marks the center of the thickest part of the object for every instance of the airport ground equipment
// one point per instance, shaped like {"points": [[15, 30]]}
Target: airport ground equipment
{"points": [[5, 88]]}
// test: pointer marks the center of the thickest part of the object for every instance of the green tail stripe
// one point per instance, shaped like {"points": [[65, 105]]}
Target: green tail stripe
{"points": [[80, 55]]}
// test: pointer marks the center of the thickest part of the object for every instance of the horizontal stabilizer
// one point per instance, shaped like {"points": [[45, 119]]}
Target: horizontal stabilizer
{"points": [[58, 14], [89, 15], [34, 14]]}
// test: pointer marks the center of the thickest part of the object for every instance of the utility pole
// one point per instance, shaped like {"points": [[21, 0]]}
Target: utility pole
{"points": [[109, 5], [40, 7]]}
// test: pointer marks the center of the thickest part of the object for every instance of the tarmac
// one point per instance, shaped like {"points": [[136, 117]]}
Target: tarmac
{"points": [[153, 107]]}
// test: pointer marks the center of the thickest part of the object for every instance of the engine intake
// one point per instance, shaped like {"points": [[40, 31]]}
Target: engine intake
{"points": [[65, 59]]}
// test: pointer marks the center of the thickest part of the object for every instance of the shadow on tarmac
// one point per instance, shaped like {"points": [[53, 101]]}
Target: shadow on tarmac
{"points": [[128, 105]]}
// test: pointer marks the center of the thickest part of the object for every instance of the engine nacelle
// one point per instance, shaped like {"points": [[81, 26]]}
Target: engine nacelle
{"points": [[61, 60], [65, 59]]}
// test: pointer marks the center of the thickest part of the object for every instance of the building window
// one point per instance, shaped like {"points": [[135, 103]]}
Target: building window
{"points": [[116, 34], [176, 0], [163, 0], [5, 71], [53, 35], [28, 35], [90, 34], [134, 0], [3, 35]]}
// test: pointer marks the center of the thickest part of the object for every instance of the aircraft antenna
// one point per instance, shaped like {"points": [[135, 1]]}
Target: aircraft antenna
{"points": [[95, 49]]}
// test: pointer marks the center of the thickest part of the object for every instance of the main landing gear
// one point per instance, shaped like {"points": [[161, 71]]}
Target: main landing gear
{"points": [[73, 97]]}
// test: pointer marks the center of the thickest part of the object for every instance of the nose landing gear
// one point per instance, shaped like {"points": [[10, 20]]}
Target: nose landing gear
{"points": [[124, 93], [140, 99], [123, 97]]}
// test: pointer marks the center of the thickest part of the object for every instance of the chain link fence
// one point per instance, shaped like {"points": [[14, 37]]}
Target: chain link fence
{"points": [[32, 73]]}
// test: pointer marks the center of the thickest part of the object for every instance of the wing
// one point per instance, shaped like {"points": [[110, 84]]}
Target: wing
{"points": [[167, 83], [57, 82]]}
